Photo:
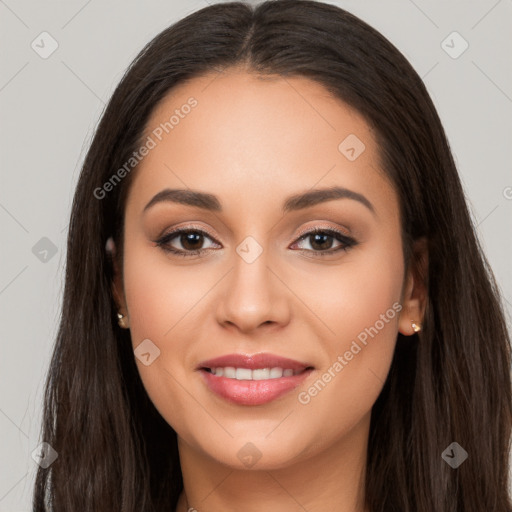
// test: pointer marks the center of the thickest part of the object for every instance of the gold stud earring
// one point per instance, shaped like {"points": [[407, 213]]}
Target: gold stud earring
{"points": [[122, 321], [416, 327]]}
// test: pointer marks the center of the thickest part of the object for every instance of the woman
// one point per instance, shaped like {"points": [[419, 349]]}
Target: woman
{"points": [[275, 298]]}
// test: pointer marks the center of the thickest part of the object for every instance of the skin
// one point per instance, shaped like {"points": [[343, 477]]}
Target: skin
{"points": [[253, 142]]}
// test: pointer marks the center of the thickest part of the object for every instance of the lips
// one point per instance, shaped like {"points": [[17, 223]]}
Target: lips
{"points": [[253, 379], [253, 362]]}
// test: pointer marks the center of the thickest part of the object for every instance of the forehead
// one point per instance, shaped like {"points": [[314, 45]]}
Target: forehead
{"points": [[239, 134]]}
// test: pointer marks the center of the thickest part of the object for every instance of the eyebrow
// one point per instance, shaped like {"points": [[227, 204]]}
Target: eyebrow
{"points": [[295, 202]]}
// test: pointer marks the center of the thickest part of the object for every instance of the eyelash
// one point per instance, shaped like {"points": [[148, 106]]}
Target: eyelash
{"points": [[347, 241]]}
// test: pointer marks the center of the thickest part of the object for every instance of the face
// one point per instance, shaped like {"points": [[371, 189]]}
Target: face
{"points": [[249, 278]]}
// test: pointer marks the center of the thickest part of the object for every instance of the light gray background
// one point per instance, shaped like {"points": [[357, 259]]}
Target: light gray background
{"points": [[49, 109]]}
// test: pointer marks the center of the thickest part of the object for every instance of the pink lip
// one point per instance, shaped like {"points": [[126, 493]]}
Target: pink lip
{"points": [[262, 360], [253, 392]]}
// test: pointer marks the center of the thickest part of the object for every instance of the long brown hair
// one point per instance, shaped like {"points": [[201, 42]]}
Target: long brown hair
{"points": [[450, 383]]}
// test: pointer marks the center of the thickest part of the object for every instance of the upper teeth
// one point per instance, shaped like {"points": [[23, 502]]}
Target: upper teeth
{"points": [[248, 374]]}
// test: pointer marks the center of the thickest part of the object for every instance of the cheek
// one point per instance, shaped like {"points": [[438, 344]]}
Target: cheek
{"points": [[160, 301], [350, 296], [158, 293], [361, 305]]}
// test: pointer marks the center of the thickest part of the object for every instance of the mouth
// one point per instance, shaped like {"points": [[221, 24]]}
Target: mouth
{"points": [[253, 380], [230, 372]]}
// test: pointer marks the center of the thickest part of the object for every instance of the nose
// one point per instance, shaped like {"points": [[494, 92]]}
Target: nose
{"points": [[253, 295]]}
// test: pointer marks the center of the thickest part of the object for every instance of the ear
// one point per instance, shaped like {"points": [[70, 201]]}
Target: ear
{"points": [[415, 291], [117, 282]]}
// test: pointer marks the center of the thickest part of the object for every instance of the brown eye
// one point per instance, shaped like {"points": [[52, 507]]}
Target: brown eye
{"points": [[189, 241], [192, 240], [321, 241]]}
